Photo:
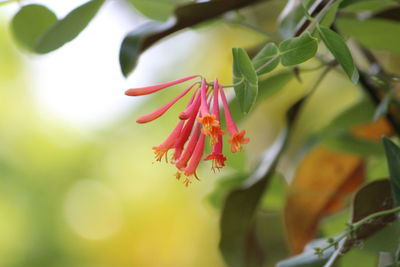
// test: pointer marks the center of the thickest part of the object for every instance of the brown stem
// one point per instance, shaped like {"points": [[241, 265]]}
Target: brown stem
{"points": [[373, 93], [370, 87], [372, 90]]}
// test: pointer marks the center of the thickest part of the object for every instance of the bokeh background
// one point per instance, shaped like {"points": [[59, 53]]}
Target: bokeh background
{"points": [[78, 186]]}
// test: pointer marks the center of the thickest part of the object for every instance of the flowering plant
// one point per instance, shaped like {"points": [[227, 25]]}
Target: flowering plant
{"points": [[313, 45], [196, 123]]}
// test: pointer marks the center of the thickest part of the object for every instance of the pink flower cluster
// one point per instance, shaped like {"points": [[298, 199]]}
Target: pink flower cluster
{"points": [[199, 120]]}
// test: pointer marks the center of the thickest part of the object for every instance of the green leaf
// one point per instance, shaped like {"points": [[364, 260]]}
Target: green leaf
{"points": [[393, 160], [270, 233], [132, 45], [274, 199], [366, 5], [240, 208], [335, 43], [336, 133], [68, 28], [382, 108], [267, 87], [223, 187], [273, 84], [372, 33], [350, 144], [267, 59], [366, 255], [237, 214], [154, 9], [298, 50], [245, 79], [30, 23], [330, 15], [288, 25], [303, 7], [373, 197], [359, 113]]}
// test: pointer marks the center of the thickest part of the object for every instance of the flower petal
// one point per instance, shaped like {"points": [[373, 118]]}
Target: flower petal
{"points": [[158, 112], [154, 88]]}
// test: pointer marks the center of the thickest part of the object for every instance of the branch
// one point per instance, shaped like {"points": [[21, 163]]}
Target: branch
{"points": [[372, 90], [143, 37], [351, 228], [195, 13]]}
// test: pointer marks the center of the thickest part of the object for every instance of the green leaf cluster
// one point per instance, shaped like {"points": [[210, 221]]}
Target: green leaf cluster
{"points": [[245, 79], [37, 28], [290, 52]]}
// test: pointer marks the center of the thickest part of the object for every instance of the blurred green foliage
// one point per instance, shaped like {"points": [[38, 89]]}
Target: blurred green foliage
{"points": [[69, 199]]}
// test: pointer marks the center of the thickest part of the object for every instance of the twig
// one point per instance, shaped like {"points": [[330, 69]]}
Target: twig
{"points": [[351, 228], [369, 86], [372, 91]]}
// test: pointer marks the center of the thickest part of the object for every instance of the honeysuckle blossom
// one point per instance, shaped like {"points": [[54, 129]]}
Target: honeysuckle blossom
{"points": [[211, 125], [237, 138], [218, 159], [199, 121]]}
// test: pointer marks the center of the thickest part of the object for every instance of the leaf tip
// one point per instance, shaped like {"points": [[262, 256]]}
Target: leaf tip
{"points": [[386, 141], [355, 76]]}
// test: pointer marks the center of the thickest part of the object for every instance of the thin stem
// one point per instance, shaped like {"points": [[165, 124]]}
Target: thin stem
{"points": [[297, 107], [373, 93], [373, 216], [353, 227], [333, 243], [371, 89], [313, 22], [335, 254], [321, 78], [267, 63], [228, 85], [322, 64], [321, 14], [308, 16], [302, 29], [331, 63]]}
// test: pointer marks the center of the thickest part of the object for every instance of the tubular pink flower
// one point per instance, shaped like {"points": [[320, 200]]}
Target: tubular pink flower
{"points": [[159, 112], [216, 133], [237, 139], [218, 159], [162, 149], [203, 92], [190, 170], [201, 118], [185, 134], [230, 124], [192, 98], [191, 109], [181, 163], [154, 88], [210, 122], [215, 109]]}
